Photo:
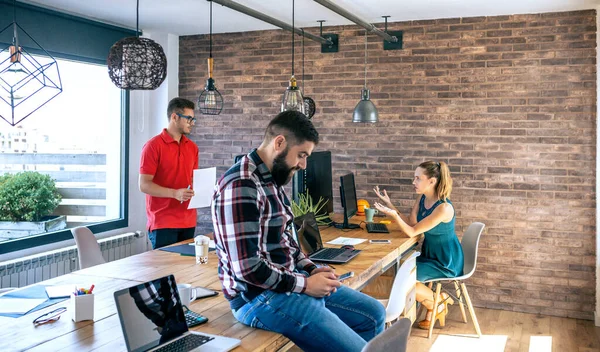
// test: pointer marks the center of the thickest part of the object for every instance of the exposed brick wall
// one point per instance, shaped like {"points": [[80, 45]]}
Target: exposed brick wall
{"points": [[507, 101]]}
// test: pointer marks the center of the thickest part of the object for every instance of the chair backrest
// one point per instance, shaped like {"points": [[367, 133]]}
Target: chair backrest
{"points": [[470, 243], [88, 250], [393, 339], [402, 284]]}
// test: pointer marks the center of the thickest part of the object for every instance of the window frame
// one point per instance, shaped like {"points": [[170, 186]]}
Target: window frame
{"points": [[114, 224]]}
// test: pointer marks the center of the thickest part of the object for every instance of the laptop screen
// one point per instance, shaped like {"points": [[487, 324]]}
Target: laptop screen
{"points": [[150, 313], [310, 238]]}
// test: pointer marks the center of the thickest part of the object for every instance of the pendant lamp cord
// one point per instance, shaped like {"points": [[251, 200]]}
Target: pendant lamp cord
{"points": [[137, 19], [210, 36], [302, 61], [15, 37], [293, 29], [365, 59]]}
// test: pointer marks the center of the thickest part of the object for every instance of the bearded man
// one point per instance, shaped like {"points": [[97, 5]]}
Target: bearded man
{"points": [[269, 282]]}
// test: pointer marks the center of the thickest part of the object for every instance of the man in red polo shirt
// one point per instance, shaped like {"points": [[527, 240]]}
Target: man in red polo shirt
{"points": [[166, 172]]}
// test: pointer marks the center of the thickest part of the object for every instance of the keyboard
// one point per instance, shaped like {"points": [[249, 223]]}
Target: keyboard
{"points": [[373, 227], [188, 343], [328, 253]]}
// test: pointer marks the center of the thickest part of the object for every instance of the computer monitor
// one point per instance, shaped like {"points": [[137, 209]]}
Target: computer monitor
{"points": [[317, 180], [348, 197]]}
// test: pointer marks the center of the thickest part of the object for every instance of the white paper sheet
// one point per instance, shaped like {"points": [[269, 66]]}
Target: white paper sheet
{"points": [[347, 241], [204, 186], [19, 305], [60, 291]]}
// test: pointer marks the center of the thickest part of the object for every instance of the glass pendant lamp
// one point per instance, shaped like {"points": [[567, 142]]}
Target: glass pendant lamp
{"points": [[292, 98]]}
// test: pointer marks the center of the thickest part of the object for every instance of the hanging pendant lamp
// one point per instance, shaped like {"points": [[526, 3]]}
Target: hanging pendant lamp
{"points": [[309, 104], [365, 110], [210, 101], [292, 98], [26, 82], [136, 63]]}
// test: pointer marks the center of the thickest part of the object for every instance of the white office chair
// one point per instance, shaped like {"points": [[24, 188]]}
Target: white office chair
{"points": [[88, 250], [470, 244], [404, 281], [393, 339]]}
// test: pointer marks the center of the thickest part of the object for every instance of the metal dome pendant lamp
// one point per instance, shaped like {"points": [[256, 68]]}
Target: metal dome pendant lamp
{"points": [[136, 63], [292, 98], [365, 110], [210, 101], [309, 104], [26, 82]]}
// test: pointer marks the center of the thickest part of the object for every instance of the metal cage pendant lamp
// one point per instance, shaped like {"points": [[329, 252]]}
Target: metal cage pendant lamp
{"points": [[309, 104], [210, 101], [365, 110], [292, 98], [26, 82], [136, 63]]}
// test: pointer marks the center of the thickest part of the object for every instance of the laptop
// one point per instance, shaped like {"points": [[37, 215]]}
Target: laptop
{"points": [[311, 244], [152, 319]]}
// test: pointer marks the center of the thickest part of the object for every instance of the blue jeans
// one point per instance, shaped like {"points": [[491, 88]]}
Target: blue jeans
{"points": [[344, 321]]}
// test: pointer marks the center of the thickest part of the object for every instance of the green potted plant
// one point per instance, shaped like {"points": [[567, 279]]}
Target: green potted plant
{"points": [[27, 200], [305, 205]]}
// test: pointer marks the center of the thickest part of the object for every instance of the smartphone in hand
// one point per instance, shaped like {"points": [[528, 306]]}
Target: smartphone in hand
{"points": [[346, 276]]}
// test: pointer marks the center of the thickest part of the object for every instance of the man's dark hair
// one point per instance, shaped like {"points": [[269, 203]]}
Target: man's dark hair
{"points": [[295, 126], [178, 105]]}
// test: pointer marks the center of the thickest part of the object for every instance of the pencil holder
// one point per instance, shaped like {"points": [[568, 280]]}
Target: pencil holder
{"points": [[82, 307]]}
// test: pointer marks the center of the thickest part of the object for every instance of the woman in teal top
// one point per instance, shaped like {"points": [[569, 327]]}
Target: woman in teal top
{"points": [[432, 214]]}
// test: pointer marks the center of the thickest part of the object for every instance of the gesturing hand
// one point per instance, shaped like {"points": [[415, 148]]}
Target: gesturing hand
{"points": [[382, 208], [383, 196]]}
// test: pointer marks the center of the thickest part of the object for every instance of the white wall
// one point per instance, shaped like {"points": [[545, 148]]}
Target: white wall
{"points": [[147, 117]]}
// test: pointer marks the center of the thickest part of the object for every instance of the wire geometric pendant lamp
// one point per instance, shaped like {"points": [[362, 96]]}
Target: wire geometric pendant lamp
{"points": [[210, 101], [26, 82], [136, 63], [365, 110], [292, 98]]}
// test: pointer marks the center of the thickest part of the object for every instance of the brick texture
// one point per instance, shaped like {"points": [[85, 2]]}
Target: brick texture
{"points": [[507, 101]]}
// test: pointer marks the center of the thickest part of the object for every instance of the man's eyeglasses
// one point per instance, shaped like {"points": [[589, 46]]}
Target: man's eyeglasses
{"points": [[50, 317], [190, 119]]}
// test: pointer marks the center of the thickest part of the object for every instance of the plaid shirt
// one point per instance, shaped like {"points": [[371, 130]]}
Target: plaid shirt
{"points": [[253, 221]]}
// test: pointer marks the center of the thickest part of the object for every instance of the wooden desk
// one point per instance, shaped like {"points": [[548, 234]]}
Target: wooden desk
{"points": [[104, 334]]}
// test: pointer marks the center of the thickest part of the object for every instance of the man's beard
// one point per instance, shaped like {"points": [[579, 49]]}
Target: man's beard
{"points": [[282, 173]]}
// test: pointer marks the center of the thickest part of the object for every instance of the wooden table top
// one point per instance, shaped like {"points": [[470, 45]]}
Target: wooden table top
{"points": [[104, 333]]}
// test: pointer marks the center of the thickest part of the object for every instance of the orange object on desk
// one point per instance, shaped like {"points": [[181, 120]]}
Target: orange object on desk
{"points": [[387, 222], [361, 204]]}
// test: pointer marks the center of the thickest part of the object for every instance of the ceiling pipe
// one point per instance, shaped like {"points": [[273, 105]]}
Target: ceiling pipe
{"points": [[261, 16], [369, 27]]}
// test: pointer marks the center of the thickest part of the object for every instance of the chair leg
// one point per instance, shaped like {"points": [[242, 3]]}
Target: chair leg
{"points": [[460, 301], [436, 301], [471, 311]]}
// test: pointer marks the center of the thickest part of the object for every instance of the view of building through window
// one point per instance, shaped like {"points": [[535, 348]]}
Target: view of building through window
{"points": [[76, 139]]}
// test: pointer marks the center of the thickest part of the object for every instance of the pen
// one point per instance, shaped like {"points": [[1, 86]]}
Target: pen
{"points": [[187, 188]]}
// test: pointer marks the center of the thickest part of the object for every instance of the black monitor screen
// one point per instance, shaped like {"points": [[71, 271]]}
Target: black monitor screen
{"points": [[348, 195], [316, 179]]}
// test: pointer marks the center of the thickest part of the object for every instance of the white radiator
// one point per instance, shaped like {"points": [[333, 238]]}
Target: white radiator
{"points": [[29, 270]]}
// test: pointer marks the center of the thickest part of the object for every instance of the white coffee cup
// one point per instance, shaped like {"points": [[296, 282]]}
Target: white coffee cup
{"points": [[202, 247], [186, 294]]}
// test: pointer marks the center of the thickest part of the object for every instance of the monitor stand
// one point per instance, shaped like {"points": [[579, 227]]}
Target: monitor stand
{"points": [[345, 224]]}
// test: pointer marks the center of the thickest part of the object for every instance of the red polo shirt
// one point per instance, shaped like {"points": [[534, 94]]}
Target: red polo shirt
{"points": [[172, 166]]}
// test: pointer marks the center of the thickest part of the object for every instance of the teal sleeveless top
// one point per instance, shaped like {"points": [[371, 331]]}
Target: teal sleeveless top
{"points": [[441, 252]]}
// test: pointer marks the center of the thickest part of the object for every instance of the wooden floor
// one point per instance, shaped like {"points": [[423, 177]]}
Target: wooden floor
{"points": [[507, 331]]}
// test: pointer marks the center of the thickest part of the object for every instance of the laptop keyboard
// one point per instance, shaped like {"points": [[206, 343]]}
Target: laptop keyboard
{"points": [[377, 227], [188, 343], [328, 253]]}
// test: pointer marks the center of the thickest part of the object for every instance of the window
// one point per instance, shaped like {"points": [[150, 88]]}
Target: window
{"points": [[79, 139]]}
